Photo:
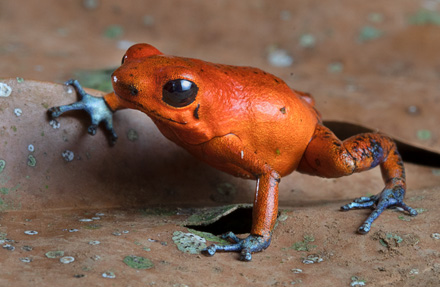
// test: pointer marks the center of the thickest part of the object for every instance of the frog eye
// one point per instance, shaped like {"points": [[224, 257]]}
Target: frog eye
{"points": [[123, 59], [179, 93]]}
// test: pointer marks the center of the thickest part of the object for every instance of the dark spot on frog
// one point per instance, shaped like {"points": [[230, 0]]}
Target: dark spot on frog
{"points": [[196, 112], [317, 162], [276, 80], [283, 110], [134, 91], [327, 135]]}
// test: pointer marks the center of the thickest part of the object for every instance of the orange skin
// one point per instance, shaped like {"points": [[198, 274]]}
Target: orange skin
{"points": [[250, 124]]}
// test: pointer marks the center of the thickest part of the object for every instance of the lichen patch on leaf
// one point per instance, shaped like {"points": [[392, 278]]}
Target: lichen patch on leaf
{"points": [[189, 242], [138, 262]]}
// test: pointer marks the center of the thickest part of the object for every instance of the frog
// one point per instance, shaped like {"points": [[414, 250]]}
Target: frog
{"points": [[245, 122]]}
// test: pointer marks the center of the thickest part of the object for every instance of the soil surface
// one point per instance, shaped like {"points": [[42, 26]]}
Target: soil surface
{"points": [[121, 211]]}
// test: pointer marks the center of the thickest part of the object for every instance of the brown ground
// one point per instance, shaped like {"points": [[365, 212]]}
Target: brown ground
{"points": [[380, 80]]}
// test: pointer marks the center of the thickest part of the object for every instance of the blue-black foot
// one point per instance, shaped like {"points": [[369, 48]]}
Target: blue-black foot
{"points": [[247, 246], [94, 106], [389, 197]]}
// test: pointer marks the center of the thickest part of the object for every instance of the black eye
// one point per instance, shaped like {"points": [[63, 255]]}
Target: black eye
{"points": [[123, 59], [179, 93]]}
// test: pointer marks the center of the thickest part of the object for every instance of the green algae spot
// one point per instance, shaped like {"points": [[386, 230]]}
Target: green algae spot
{"points": [[209, 237], [158, 211], [304, 245], [307, 41], [113, 31], [54, 254], [93, 226], [138, 262], [132, 135], [369, 33], [32, 161], [20, 80], [2, 165], [5, 190], [424, 134], [390, 240], [404, 218], [425, 17], [335, 67]]}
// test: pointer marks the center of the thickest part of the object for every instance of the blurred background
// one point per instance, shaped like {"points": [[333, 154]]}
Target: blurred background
{"points": [[373, 62], [364, 61]]}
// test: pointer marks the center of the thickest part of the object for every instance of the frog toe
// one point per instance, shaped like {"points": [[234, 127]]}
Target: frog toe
{"points": [[358, 205], [54, 112], [364, 228], [391, 196], [231, 236], [407, 208], [92, 129], [247, 246], [96, 107], [245, 255]]}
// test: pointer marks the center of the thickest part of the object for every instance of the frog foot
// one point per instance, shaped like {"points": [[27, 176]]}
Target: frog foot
{"points": [[391, 196], [247, 246], [96, 107]]}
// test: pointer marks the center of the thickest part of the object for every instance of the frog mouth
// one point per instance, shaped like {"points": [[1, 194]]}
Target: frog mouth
{"points": [[164, 118], [153, 112]]}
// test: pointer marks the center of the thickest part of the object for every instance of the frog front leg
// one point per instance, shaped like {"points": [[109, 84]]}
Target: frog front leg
{"points": [[265, 208], [97, 107], [327, 156]]}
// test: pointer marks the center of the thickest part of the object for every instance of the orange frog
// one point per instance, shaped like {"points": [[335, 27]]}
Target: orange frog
{"points": [[245, 122]]}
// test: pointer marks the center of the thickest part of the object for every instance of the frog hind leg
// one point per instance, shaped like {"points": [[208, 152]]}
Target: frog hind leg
{"points": [[96, 107], [329, 157]]}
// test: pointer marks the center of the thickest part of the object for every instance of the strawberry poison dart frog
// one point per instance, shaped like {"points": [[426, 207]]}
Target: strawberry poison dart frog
{"points": [[245, 122]]}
